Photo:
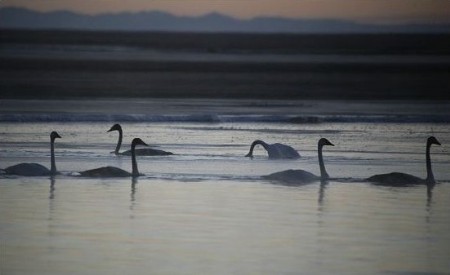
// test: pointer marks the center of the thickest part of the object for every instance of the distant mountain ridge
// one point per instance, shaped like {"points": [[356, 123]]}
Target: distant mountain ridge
{"points": [[19, 18]]}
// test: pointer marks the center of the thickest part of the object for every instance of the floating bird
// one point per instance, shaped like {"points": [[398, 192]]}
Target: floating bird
{"points": [[109, 171], [35, 169], [139, 152], [295, 177], [402, 179], [275, 151]]}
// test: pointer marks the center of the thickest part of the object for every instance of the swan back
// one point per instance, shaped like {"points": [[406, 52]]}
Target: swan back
{"points": [[395, 179], [105, 172], [147, 152], [28, 169], [282, 151], [293, 177]]}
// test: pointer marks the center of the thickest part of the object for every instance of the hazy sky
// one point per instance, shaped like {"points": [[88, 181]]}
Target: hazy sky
{"points": [[380, 11]]}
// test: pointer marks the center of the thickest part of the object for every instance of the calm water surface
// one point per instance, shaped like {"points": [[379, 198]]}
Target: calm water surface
{"points": [[205, 210]]}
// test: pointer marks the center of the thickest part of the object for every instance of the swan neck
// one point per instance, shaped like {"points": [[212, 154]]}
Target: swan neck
{"points": [[119, 142], [323, 172], [260, 142], [256, 142], [430, 176], [52, 156], [135, 171]]}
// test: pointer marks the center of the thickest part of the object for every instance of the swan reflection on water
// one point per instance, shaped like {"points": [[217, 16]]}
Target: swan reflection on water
{"points": [[52, 188]]}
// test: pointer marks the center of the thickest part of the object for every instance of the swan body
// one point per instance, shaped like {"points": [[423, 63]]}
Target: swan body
{"points": [[138, 152], [110, 171], [36, 169], [275, 151], [146, 152], [28, 169], [402, 179], [293, 176], [107, 171], [301, 176]]}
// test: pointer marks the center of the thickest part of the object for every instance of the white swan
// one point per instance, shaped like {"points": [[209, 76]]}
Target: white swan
{"points": [[302, 176], [139, 152], [110, 171], [402, 179], [35, 169], [275, 151]]}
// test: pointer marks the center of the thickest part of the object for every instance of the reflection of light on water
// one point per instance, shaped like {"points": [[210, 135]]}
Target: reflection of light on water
{"points": [[207, 209], [151, 223]]}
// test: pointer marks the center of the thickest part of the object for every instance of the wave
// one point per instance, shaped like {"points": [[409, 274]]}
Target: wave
{"points": [[215, 118]]}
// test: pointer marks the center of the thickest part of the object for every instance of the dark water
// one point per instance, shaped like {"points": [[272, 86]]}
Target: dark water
{"points": [[58, 64]]}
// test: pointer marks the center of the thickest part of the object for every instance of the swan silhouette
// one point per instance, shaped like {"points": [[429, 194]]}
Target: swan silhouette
{"points": [[110, 171], [36, 169], [275, 151], [402, 179], [302, 176], [139, 152]]}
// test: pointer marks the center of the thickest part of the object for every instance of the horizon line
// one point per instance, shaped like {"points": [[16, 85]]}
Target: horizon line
{"points": [[360, 22]]}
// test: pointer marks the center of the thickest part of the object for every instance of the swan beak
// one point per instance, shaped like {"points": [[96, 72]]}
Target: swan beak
{"points": [[57, 136], [249, 156], [110, 130]]}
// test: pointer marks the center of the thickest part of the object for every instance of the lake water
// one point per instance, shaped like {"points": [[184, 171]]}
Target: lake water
{"points": [[206, 210]]}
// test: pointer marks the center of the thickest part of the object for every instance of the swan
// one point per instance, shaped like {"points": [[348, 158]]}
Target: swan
{"points": [[275, 151], [110, 171], [35, 169], [402, 179], [302, 176], [139, 152]]}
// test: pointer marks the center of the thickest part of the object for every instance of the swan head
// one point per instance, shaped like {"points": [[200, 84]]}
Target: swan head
{"points": [[433, 140], [115, 127], [324, 141], [138, 141], [54, 135]]}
